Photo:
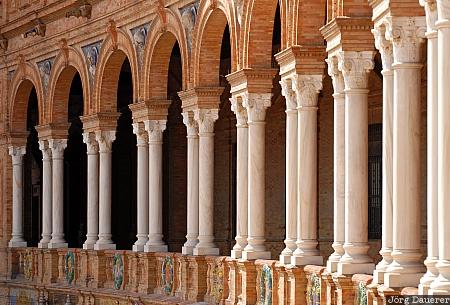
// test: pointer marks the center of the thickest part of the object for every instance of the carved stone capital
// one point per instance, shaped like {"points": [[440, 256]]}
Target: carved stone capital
{"points": [[141, 134], [191, 124], [307, 88], [17, 153], [355, 67], [105, 138], [335, 74], [46, 150], [155, 130], [430, 7], [384, 46], [407, 35], [256, 105], [205, 119], [289, 94], [91, 143], [239, 110], [57, 146], [443, 8]]}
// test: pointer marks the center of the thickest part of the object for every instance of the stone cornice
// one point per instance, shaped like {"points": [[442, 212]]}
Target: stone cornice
{"points": [[53, 131], [201, 98], [397, 8], [348, 34], [100, 121], [150, 110], [16, 138], [252, 80], [301, 60]]}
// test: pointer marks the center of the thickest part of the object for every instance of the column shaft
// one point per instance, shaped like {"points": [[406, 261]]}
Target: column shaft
{"points": [[46, 194], [17, 239]]}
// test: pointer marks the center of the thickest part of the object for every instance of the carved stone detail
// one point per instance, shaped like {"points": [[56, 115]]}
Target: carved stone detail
{"points": [[37, 30], [384, 46], [91, 143], [205, 119], [288, 93], [57, 146], [431, 13], [139, 35], [336, 75], [105, 140], [355, 67], [91, 53], [17, 153], [141, 133], [188, 19], [239, 110], [191, 124], [407, 35], [307, 88], [83, 10], [45, 149], [3, 43], [45, 68], [155, 130], [443, 7], [256, 105]]}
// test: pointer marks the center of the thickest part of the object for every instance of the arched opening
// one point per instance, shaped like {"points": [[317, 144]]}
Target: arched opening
{"points": [[174, 158], [124, 163], [32, 173], [75, 169]]}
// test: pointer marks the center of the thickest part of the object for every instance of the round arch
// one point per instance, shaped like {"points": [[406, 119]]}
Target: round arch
{"points": [[112, 56]]}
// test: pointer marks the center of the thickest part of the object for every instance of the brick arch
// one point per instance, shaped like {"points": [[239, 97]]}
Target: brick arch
{"points": [[160, 41], [257, 31], [25, 78], [65, 67], [112, 56], [304, 22], [208, 35]]}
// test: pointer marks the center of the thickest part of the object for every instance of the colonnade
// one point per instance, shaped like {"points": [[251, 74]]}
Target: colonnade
{"points": [[400, 41]]}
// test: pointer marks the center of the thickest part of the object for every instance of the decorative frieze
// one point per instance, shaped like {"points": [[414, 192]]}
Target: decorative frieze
{"points": [[188, 19], [37, 30], [84, 10]]}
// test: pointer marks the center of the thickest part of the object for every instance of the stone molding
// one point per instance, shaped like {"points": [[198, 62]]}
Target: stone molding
{"points": [[100, 121], [251, 80], [407, 35], [201, 98], [52, 131], [301, 60], [153, 109], [355, 67]]}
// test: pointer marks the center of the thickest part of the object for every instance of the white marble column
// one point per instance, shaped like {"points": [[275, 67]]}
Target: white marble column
{"points": [[338, 164], [291, 170], [46, 193], [355, 67], [256, 105], [385, 48], [92, 190], [155, 129], [57, 146], [142, 186], [17, 240], [441, 284], [432, 148], [307, 88], [205, 119], [192, 183], [241, 177], [105, 140], [406, 269]]}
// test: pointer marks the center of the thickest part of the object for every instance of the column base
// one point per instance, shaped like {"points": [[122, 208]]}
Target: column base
{"points": [[187, 250], [236, 254], [285, 259], [206, 251], [43, 245], [332, 266], [155, 248], [306, 260], [138, 248], [57, 245], [354, 268], [104, 246], [378, 276], [17, 244], [398, 280], [252, 255], [89, 246]]}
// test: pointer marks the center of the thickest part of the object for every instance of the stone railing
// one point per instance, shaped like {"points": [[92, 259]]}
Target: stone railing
{"points": [[88, 277]]}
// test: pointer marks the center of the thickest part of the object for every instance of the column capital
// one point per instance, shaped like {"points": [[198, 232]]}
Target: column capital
{"points": [[17, 152], [384, 46], [355, 67], [205, 119], [105, 138], [443, 8], [91, 143], [155, 130], [430, 7], [239, 110], [57, 146], [141, 133], [256, 105], [46, 150], [407, 35], [289, 94], [191, 124], [307, 88], [336, 75]]}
